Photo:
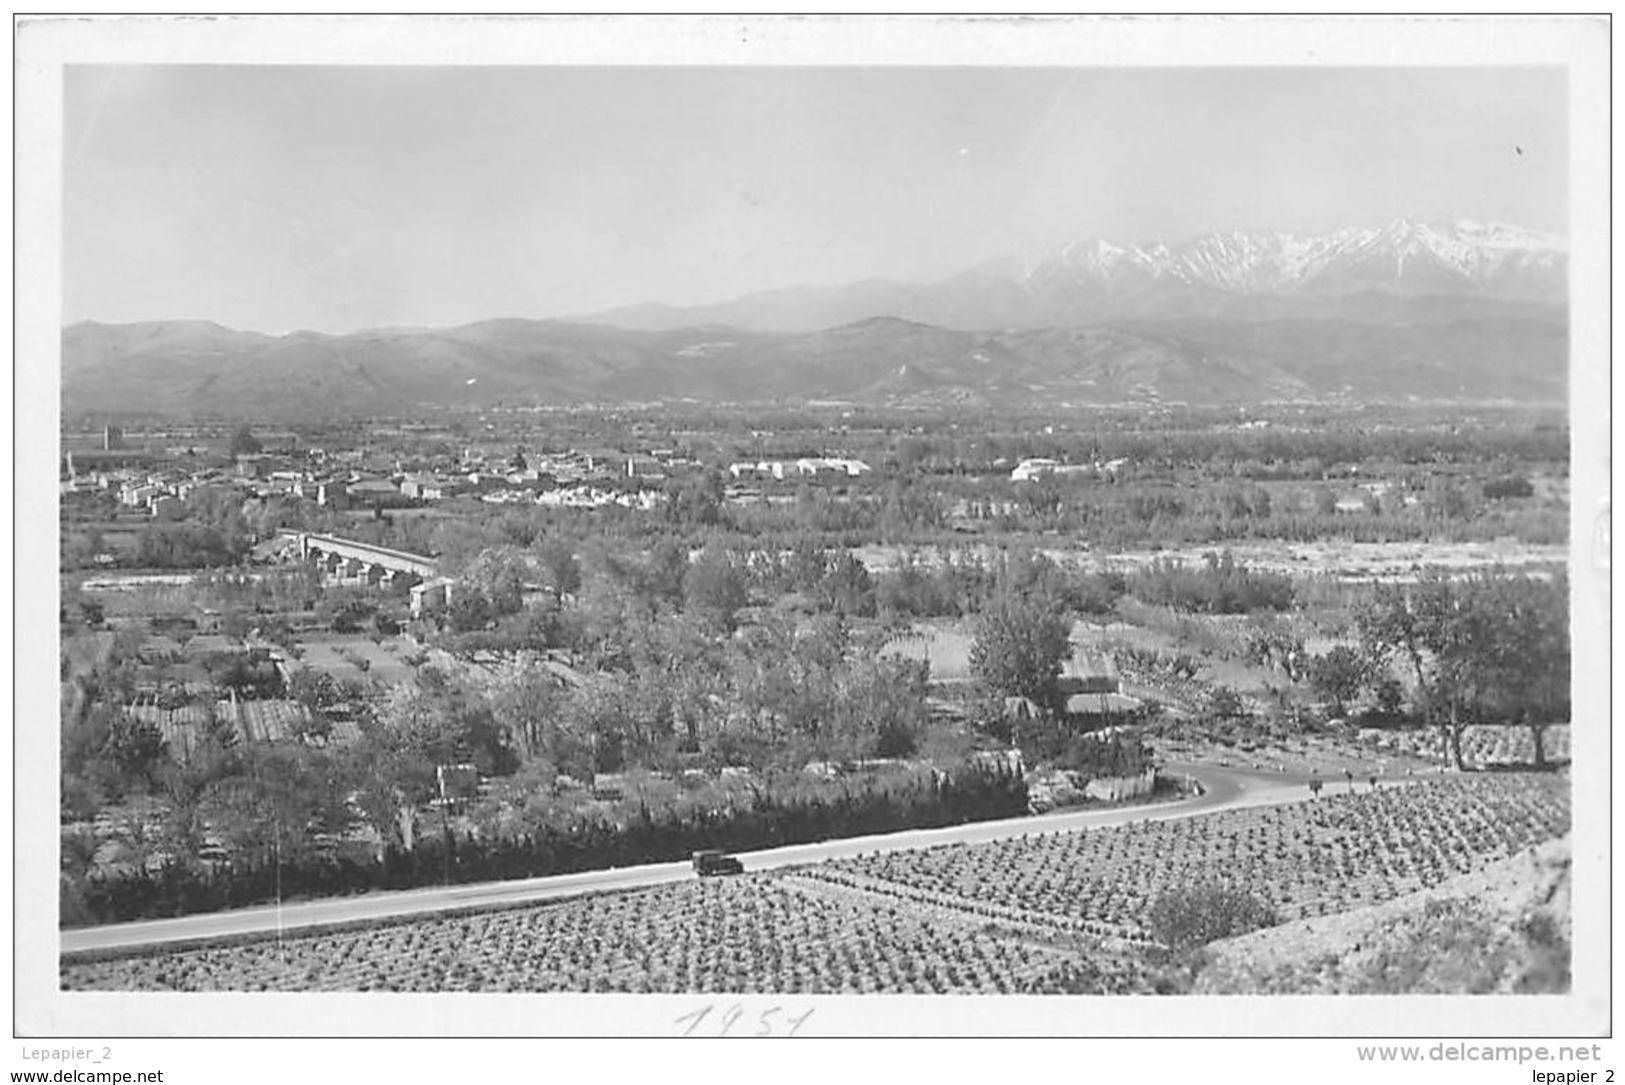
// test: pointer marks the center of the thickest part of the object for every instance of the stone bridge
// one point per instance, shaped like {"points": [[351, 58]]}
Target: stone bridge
{"points": [[348, 560]]}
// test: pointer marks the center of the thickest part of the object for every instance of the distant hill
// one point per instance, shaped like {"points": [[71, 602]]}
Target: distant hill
{"points": [[186, 369]]}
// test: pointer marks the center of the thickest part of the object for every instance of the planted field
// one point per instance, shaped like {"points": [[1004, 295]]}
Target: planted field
{"points": [[1304, 859], [945, 647], [1480, 745], [762, 933], [253, 721], [270, 721], [181, 727], [1049, 913], [356, 657]]}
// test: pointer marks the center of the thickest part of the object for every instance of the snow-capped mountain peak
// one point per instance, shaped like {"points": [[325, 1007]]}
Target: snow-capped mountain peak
{"points": [[1411, 255]]}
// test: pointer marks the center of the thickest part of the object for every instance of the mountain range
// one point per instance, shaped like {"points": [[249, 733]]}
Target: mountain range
{"points": [[1453, 310], [1408, 271]]}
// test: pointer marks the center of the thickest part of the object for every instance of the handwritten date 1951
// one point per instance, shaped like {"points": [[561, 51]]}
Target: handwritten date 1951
{"points": [[735, 1021]]}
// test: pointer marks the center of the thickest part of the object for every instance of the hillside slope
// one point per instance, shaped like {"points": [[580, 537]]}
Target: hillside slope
{"points": [[1502, 930], [182, 370]]}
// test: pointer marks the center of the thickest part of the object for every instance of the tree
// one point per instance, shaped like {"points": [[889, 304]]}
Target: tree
{"points": [[714, 589], [1226, 703], [847, 588], [92, 612], [879, 707], [1339, 675], [418, 729], [244, 443], [1530, 679], [1490, 648], [137, 748], [660, 579], [695, 500], [1445, 500], [1272, 644], [316, 692], [394, 763], [281, 797], [498, 574], [1019, 647], [1414, 624], [189, 545], [527, 703], [1033, 574], [1260, 500], [806, 565], [561, 572]]}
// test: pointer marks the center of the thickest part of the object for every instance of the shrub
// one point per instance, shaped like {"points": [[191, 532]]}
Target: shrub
{"points": [[1221, 585], [1190, 917], [896, 739], [1390, 700], [1225, 703], [1510, 486], [1097, 593]]}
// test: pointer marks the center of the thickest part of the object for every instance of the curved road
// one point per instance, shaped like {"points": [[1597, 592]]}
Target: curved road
{"points": [[1223, 789]]}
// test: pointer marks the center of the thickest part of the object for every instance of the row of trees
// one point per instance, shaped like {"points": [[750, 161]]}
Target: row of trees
{"points": [[1491, 647], [1139, 505], [587, 600], [1486, 648], [276, 860]]}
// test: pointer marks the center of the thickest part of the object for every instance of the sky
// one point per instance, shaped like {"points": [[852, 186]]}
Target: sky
{"points": [[339, 198]]}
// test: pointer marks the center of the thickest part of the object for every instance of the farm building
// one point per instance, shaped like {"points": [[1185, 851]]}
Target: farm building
{"points": [[827, 465], [1090, 688], [1084, 673], [333, 495], [645, 467], [1100, 704], [764, 469], [90, 461], [1354, 501], [140, 494], [1031, 470], [378, 493]]}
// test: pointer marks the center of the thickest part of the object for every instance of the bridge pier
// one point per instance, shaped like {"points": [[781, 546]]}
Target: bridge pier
{"points": [[363, 563], [431, 595]]}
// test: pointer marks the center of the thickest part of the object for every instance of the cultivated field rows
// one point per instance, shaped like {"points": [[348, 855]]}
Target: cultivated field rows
{"points": [[1479, 745], [1032, 914], [1304, 859]]}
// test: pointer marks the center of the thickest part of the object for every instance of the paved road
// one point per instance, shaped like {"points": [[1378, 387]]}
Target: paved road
{"points": [[1223, 789]]}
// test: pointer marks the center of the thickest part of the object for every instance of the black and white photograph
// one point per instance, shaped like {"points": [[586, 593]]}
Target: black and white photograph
{"points": [[827, 527]]}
